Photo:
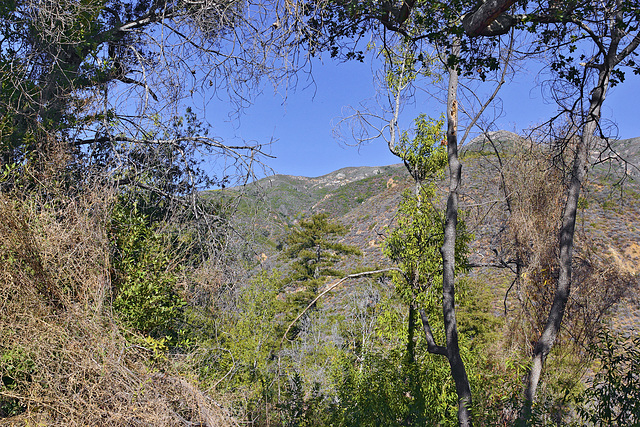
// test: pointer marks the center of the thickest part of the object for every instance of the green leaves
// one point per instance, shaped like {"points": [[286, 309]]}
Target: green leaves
{"points": [[313, 248], [425, 155], [614, 395], [253, 336], [142, 275], [415, 242]]}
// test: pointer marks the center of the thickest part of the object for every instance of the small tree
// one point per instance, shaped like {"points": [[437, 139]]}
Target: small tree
{"points": [[313, 248], [416, 241]]}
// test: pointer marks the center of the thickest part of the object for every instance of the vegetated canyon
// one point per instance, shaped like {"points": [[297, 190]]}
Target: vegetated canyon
{"points": [[153, 337]]}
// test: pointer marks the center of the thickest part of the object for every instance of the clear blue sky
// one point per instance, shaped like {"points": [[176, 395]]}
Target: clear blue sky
{"points": [[301, 125]]}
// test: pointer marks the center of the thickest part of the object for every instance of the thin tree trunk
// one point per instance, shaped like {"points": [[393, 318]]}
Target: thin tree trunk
{"points": [[448, 252], [411, 343], [567, 232]]}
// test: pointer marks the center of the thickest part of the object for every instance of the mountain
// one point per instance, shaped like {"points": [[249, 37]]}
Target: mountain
{"points": [[365, 199], [337, 192]]}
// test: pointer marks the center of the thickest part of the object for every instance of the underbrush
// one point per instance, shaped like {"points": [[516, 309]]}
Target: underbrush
{"points": [[65, 356]]}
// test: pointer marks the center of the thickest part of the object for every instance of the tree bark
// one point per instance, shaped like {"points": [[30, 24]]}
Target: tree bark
{"points": [[478, 23], [458, 370], [411, 343]]}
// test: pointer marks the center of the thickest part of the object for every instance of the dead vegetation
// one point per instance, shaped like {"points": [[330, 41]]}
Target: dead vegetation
{"points": [[533, 185], [64, 359]]}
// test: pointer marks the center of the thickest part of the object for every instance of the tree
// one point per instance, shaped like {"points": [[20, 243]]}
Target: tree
{"points": [[91, 83], [448, 252], [441, 27], [612, 27], [605, 33], [414, 244], [312, 247]]}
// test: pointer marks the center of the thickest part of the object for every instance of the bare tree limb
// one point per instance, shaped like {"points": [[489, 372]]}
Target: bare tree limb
{"points": [[329, 289]]}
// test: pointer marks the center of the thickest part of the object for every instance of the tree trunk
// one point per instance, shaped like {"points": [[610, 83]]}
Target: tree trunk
{"points": [[567, 232], [480, 21], [448, 252]]}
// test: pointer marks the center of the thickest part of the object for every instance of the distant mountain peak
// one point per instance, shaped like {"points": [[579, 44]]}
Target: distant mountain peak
{"points": [[333, 179]]}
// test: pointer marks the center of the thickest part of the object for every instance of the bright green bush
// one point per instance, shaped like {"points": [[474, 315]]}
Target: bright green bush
{"points": [[143, 277], [384, 387], [16, 368]]}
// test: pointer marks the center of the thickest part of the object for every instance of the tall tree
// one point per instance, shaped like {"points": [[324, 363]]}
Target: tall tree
{"points": [[589, 44], [605, 38], [415, 245], [415, 23], [313, 247]]}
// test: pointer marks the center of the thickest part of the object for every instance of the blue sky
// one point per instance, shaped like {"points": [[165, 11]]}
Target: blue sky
{"points": [[301, 126]]}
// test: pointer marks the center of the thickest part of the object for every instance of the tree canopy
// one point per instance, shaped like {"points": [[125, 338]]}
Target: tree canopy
{"points": [[101, 84]]}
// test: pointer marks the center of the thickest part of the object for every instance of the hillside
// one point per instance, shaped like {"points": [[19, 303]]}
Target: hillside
{"points": [[112, 318], [356, 335], [365, 199]]}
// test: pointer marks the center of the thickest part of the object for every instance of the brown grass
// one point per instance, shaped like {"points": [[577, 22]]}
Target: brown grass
{"points": [[64, 360]]}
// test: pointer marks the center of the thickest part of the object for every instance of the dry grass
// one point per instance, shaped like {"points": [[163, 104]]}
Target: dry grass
{"points": [[63, 358]]}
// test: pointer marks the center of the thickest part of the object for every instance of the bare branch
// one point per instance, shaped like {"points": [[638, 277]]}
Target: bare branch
{"points": [[329, 289]]}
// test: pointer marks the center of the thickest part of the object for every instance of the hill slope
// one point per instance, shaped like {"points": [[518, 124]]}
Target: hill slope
{"points": [[365, 199]]}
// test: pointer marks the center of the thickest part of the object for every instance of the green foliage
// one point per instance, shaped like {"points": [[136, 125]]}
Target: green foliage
{"points": [[312, 247], [381, 385], [373, 395], [239, 353], [583, 203], [245, 359], [415, 242], [314, 250], [414, 245], [404, 64], [253, 337], [16, 369], [143, 275], [424, 155], [475, 316], [613, 398]]}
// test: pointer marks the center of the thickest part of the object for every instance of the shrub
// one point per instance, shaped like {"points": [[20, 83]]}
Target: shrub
{"points": [[143, 275], [63, 360], [613, 397]]}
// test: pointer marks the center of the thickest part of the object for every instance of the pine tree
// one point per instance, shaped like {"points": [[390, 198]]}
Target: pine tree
{"points": [[313, 247]]}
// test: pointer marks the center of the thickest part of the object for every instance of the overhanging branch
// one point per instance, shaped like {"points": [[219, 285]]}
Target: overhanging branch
{"points": [[478, 23], [206, 141]]}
